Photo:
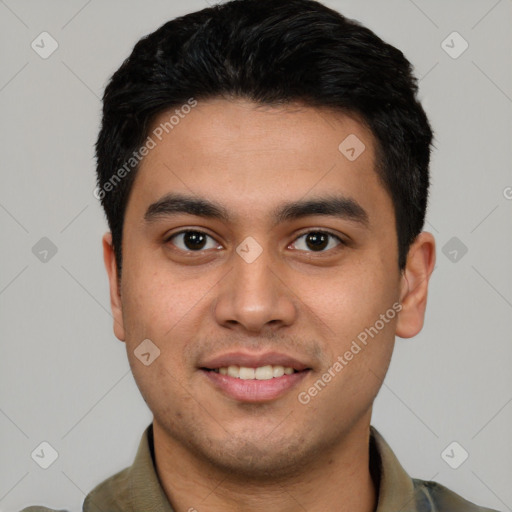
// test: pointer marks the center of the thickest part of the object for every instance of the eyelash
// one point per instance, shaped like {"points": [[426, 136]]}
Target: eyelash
{"points": [[317, 231]]}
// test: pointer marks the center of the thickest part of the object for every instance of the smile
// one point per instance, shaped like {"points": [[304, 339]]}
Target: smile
{"points": [[252, 385], [266, 372]]}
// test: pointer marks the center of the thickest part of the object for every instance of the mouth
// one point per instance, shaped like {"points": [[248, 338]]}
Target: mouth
{"points": [[266, 372], [249, 378]]}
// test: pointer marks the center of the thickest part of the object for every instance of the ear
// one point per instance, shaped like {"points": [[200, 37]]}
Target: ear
{"points": [[115, 296], [414, 285]]}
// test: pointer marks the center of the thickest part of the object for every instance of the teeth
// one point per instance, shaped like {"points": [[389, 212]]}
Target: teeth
{"points": [[278, 371], [246, 373], [233, 371], [261, 373]]}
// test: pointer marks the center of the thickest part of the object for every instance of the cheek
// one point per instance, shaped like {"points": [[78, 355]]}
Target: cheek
{"points": [[167, 309], [351, 299], [159, 308], [159, 385], [155, 300]]}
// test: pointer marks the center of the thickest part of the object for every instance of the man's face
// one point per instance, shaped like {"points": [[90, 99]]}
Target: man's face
{"points": [[257, 289]]}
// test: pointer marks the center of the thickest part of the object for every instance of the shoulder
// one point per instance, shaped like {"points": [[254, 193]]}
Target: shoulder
{"points": [[434, 497], [112, 494]]}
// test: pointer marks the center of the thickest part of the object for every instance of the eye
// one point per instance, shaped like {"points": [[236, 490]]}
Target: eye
{"points": [[312, 241], [317, 241], [191, 240]]}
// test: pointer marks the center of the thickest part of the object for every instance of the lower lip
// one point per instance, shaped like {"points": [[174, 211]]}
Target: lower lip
{"points": [[253, 390]]}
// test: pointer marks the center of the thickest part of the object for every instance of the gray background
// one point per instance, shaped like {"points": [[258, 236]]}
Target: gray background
{"points": [[65, 377]]}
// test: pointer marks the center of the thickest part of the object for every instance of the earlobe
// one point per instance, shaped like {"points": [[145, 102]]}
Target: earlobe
{"points": [[414, 285], [114, 285]]}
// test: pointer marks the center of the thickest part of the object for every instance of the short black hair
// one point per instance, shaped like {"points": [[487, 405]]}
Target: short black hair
{"points": [[273, 52]]}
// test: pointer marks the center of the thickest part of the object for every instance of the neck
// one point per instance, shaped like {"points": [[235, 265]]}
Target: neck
{"points": [[336, 481]]}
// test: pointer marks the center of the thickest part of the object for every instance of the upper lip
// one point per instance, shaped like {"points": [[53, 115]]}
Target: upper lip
{"points": [[253, 360]]}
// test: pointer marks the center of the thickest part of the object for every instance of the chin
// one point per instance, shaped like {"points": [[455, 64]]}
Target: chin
{"points": [[258, 459]]}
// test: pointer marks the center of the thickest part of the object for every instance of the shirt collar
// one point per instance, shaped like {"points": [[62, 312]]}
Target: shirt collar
{"points": [[396, 489], [145, 488]]}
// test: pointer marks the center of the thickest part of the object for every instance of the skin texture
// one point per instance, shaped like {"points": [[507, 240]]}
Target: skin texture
{"points": [[214, 452]]}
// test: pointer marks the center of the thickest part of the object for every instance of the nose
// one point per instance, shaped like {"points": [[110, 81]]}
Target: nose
{"points": [[254, 295]]}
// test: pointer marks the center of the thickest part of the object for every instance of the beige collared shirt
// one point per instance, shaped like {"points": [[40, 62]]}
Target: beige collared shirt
{"points": [[137, 488]]}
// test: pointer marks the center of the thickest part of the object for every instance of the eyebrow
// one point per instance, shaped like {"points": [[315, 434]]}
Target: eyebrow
{"points": [[335, 206]]}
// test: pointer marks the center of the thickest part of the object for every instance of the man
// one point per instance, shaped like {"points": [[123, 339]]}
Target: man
{"points": [[263, 166]]}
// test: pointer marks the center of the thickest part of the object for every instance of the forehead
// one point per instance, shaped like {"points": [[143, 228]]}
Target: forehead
{"points": [[214, 126], [252, 157]]}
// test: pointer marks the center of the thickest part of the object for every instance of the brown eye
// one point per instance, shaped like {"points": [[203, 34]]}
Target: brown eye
{"points": [[192, 240], [317, 241]]}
